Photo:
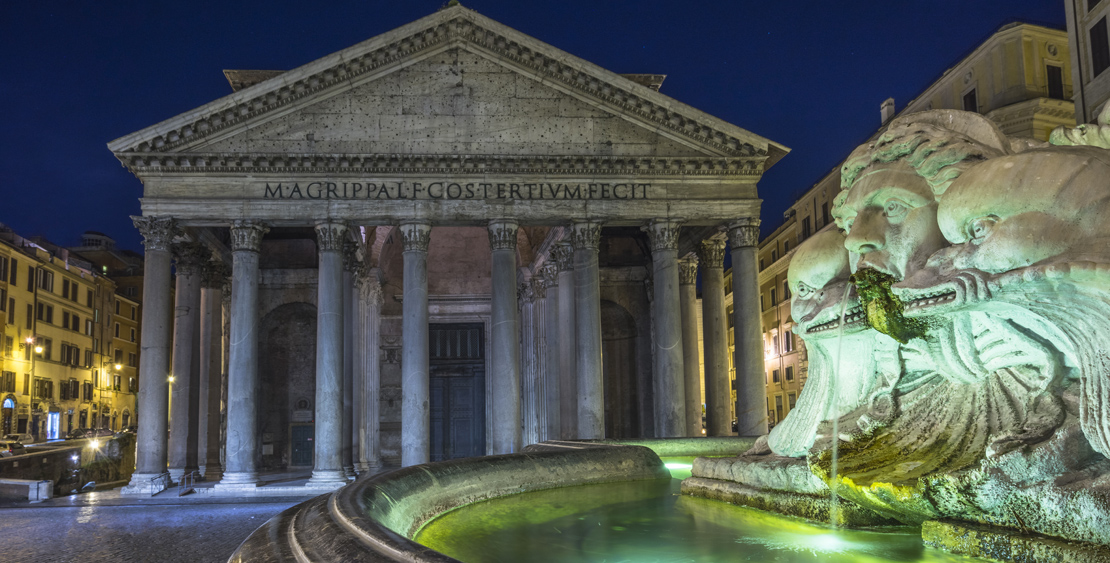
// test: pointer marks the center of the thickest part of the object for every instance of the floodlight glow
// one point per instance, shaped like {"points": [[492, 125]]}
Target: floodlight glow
{"points": [[94, 444], [686, 466]]}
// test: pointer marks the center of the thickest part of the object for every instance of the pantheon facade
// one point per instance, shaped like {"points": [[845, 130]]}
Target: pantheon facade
{"points": [[448, 240]]}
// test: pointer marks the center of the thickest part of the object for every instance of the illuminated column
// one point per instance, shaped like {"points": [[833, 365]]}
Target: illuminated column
{"points": [[585, 237], [504, 339], [154, 361], [751, 390], [184, 399], [370, 305], [552, 369], [213, 278], [416, 420], [327, 469], [670, 385], [568, 342], [241, 469], [718, 400], [688, 302], [350, 264], [529, 388]]}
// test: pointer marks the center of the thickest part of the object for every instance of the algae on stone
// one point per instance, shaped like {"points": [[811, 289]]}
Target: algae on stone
{"points": [[882, 308]]}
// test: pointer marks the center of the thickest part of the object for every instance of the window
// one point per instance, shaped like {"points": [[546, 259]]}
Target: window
{"points": [[133, 384], [3, 267], [73, 389], [1100, 48], [970, 102], [96, 346], [47, 346], [3, 299], [117, 306], [75, 323], [45, 280], [65, 319], [775, 377], [87, 391], [133, 312], [118, 356], [774, 300], [785, 247], [15, 272], [117, 330], [88, 358], [65, 288], [133, 359], [26, 384], [11, 310], [762, 303], [778, 407], [88, 327], [761, 266], [116, 382], [45, 313], [30, 315], [88, 298], [774, 256], [132, 335], [65, 391], [788, 344], [9, 346], [1055, 76], [790, 373], [7, 382], [806, 231], [775, 344], [70, 354], [825, 213], [791, 399], [785, 290]]}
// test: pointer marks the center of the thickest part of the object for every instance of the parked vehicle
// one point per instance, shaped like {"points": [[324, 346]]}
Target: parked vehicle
{"points": [[79, 434], [8, 449], [101, 432], [24, 439]]}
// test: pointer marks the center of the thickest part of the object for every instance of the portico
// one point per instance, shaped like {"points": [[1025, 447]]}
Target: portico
{"points": [[515, 218]]}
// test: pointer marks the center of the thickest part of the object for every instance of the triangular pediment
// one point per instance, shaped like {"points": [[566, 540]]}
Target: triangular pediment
{"points": [[452, 83]]}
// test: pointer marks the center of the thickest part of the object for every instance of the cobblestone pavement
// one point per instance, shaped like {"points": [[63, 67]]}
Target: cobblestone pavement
{"points": [[119, 530]]}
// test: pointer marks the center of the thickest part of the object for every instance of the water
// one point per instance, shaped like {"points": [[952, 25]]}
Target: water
{"points": [[650, 522], [834, 398]]}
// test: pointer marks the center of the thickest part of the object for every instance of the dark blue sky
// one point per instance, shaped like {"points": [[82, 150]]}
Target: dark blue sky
{"points": [[810, 75]]}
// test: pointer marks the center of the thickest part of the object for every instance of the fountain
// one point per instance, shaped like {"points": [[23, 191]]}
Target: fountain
{"points": [[958, 387]]}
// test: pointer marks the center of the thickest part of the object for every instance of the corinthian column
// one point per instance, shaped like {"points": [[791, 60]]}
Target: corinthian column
{"points": [[718, 403], [415, 409], [585, 237], [327, 468], [670, 385], [553, 365], [563, 254], [688, 302], [184, 390], [350, 265], [154, 361], [370, 303], [504, 339], [242, 377], [213, 277], [751, 391]]}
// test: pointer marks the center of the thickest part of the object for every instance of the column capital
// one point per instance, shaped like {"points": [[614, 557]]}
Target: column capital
{"points": [[585, 235], [744, 232], [214, 274], [369, 284], [247, 235], [663, 234], [688, 270], [550, 275], [189, 257], [330, 236], [351, 262], [563, 255], [416, 236], [502, 234], [524, 293], [158, 232], [712, 252], [539, 286]]}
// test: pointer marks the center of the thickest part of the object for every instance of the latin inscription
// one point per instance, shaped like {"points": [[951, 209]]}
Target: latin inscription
{"points": [[452, 190]]}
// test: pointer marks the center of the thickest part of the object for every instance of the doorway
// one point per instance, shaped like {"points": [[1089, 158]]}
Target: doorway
{"points": [[301, 436], [458, 390]]}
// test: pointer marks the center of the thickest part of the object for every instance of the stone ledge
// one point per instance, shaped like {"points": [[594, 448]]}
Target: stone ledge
{"points": [[809, 507], [1006, 545]]}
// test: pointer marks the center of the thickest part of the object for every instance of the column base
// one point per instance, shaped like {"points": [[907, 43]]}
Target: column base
{"points": [[238, 480], [141, 484], [212, 472], [349, 472], [327, 479], [176, 473]]}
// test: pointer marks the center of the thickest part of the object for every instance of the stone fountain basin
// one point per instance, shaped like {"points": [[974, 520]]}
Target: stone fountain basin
{"points": [[373, 519]]}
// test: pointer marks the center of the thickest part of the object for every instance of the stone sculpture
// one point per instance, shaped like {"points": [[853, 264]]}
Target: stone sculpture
{"points": [[989, 401]]}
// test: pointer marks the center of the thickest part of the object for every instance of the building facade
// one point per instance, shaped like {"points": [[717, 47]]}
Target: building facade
{"points": [[449, 240], [56, 353], [1088, 24]]}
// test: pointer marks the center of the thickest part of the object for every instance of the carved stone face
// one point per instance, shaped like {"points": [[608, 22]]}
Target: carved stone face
{"points": [[818, 276], [890, 215]]}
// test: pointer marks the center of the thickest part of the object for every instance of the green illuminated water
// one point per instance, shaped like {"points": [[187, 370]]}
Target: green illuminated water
{"points": [[650, 522]]}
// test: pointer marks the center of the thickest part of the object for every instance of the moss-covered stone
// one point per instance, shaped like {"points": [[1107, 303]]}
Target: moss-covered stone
{"points": [[882, 308]]}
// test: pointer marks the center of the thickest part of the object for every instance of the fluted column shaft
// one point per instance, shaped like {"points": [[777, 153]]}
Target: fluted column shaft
{"points": [[688, 303], [585, 237], [241, 466], [718, 400], [184, 390], [529, 390], [211, 368], [538, 350], [370, 299], [751, 390], [327, 468], [670, 385], [415, 408], [504, 339], [568, 342], [154, 361]]}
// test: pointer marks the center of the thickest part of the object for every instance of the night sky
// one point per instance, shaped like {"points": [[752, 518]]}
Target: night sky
{"points": [[809, 75]]}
